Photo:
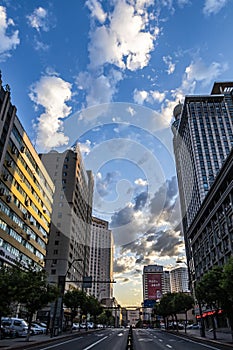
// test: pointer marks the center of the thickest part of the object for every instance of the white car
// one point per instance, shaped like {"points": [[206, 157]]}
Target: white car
{"points": [[38, 329]]}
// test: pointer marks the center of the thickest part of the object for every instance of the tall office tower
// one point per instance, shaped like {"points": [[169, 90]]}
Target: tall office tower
{"points": [[179, 280], [26, 192], [101, 259], [152, 282], [68, 248], [203, 138], [7, 116], [166, 283]]}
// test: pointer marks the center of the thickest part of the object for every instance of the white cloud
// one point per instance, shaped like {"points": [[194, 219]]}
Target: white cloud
{"points": [[52, 93], [96, 10], [85, 148], [7, 42], [39, 19], [171, 66], [131, 111], [213, 6], [141, 96], [127, 46], [100, 89], [141, 182]]}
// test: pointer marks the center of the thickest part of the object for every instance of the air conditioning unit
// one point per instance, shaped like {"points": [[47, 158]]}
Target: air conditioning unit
{"points": [[22, 149], [9, 163], [5, 177], [25, 216], [14, 150], [31, 222], [2, 191], [44, 211], [8, 199]]}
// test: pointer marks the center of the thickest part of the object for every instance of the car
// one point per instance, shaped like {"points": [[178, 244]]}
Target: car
{"points": [[7, 332], [19, 325], [75, 326], [90, 325], [38, 329]]}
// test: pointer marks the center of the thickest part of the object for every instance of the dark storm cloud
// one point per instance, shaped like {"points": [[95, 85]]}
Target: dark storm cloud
{"points": [[119, 268], [167, 244], [103, 186], [140, 201], [122, 217], [163, 199]]}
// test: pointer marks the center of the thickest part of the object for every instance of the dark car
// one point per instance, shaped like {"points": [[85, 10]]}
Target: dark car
{"points": [[7, 332]]}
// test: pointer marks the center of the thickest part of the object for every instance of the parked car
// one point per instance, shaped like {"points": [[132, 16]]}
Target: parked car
{"points": [[90, 325], [18, 325], [38, 329], [7, 332], [75, 326]]}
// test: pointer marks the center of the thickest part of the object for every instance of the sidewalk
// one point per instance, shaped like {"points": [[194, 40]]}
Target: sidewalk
{"points": [[223, 335], [21, 344]]}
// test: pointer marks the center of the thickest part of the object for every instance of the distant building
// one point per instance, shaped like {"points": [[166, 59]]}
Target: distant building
{"points": [[179, 279], [101, 259], [26, 192], [68, 250], [152, 282], [166, 282]]}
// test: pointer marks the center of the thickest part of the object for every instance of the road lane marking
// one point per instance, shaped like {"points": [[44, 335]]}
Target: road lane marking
{"points": [[169, 346], [64, 342], [97, 342]]}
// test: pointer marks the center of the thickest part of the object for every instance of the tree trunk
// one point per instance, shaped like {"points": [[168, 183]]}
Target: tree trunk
{"points": [[214, 327], [29, 326]]}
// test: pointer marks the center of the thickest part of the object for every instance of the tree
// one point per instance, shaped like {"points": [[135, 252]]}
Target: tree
{"points": [[165, 307], [182, 302], [8, 289], [211, 293], [34, 292], [75, 299], [227, 284], [94, 307]]}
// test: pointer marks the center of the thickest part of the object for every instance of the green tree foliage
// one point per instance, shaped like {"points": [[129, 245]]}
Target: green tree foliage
{"points": [[28, 287], [215, 291], [173, 303], [75, 299]]}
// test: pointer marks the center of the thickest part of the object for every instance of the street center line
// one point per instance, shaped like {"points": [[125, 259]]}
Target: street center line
{"points": [[97, 342]]}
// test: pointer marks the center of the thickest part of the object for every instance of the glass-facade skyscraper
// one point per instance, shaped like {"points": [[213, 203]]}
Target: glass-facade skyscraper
{"points": [[203, 138]]}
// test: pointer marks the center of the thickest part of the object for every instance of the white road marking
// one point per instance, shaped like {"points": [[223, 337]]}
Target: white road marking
{"points": [[169, 346], [196, 342], [97, 342], [64, 342]]}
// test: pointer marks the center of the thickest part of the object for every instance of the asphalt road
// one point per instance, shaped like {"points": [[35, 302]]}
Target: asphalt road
{"points": [[151, 339], [109, 339]]}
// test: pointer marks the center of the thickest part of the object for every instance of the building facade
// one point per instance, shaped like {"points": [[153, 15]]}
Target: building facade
{"points": [[101, 259], [26, 192], [203, 138], [211, 232], [179, 279], [68, 249], [166, 282], [152, 282]]}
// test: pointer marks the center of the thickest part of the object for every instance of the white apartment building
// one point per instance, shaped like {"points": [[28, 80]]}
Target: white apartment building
{"points": [[101, 259]]}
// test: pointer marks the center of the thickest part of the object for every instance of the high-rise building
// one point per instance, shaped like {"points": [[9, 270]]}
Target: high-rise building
{"points": [[101, 259], [68, 250], [179, 279], [26, 192], [166, 282], [203, 138], [152, 282]]}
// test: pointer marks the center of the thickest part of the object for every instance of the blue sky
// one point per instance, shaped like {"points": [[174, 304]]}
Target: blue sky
{"points": [[108, 74]]}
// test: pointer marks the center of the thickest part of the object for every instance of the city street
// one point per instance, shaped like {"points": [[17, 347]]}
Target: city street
{"points": [[150, 339], [109, 339]]}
